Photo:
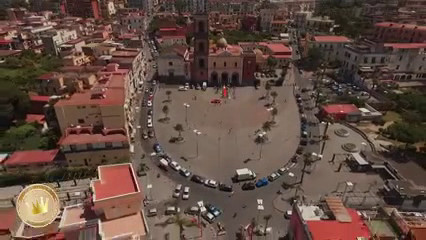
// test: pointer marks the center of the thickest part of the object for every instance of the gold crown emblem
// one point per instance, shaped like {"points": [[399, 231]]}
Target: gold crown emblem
{"points": [[39, 207]]}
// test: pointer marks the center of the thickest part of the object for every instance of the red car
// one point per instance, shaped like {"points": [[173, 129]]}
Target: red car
{"points": [[216, 101]]}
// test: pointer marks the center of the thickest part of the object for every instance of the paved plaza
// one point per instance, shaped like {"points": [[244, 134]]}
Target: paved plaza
{"points": [[228, 130]]}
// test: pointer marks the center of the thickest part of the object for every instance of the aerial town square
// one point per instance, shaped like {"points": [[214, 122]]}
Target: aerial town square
{"points": [[213, 119]]}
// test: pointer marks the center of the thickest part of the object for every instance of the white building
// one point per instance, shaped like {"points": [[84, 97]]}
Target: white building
{"points": [[174, 65], [407, 61], [133, 22], [52, 40], [331, 46]]}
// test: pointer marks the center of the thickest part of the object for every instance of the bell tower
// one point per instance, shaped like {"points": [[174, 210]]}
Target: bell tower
{"points": [[201, 43]]}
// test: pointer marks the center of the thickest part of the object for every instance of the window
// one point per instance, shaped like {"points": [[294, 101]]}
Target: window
{"points": [[365, 60], [201, 47], [373, 60], [80, 121], [236, 64], [400, 58], [201, 63], [214, 64], [224, 64], [420, 68], [201, 26], [170, 63], [382, 60], [397, 67]]}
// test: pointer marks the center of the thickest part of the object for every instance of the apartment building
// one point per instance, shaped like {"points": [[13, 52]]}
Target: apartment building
{"points": [[115, 210], [53, 83], [174, 64], [84, 8], [89, 146], [330, 46], [398, 32], [268, 16], [133, 22], [101, 105], [362, 54], [407, 61], [330, 220], [52, 40]]}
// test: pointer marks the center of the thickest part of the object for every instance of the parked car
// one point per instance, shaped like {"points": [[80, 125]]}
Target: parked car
{"points": [[213, 210], [303, 142], [144, 135], [150, 133], [175, 166], [185, 195], [193, 210], [184, 172], [152, 212], [149, 112], [149, 103], [172, 210], [208, 217], [262, 182], [197, 179], [211, 183], [274, 176], [288, 214], [215, 101], [157, 148], [248, 186], [224, 187], [282, 170], [149, 124], [176, 192], [299, 150], [182, 88]]}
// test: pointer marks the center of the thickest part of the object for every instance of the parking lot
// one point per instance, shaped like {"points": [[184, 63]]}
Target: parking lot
{"points": [[219, 137]]}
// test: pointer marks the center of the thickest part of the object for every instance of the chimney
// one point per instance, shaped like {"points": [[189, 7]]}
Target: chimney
{"points": [[112, 67]]}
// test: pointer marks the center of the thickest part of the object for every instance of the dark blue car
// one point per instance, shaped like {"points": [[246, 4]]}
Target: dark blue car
{"points": [[262, 182], [157, 148]]}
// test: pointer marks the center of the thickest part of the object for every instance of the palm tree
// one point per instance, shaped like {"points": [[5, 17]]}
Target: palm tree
{"points": [[168, 93], [165, 111], [260, 140], [266, 126], [307, 160], [179, 129], [267, 218], [267, 88], [274, 113], [298, 189], [274, 95], [181, 222]]}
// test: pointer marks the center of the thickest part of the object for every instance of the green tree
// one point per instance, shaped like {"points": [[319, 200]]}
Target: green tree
{"points": [[412, 117], [272, 62], [14, 104], [260, 140], [266, 126], [49, 140], [274, 95], [165, 110], [168, 93], [179, 128], [268, 89], [15, 136], [181, 222], [180, 6], [314, 58], [267, 218], [274, 113]]}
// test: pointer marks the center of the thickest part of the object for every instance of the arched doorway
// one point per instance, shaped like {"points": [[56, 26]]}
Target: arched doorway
{"points": [[224, 78], [235, 79], [214, 78]]}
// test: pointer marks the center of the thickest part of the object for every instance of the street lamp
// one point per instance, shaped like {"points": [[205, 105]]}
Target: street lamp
{"points": [[197, 133], [186, 105], [261, 139]]}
